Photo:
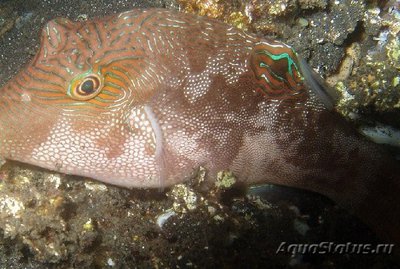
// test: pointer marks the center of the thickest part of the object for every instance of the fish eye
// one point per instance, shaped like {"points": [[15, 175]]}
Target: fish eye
{"points": [[85, 87], [88, 86]]}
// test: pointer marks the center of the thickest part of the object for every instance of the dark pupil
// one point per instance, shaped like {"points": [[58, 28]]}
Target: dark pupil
{"points": [[87, 86]]}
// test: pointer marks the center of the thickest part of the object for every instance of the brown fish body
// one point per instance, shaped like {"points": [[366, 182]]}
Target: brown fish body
{"points": [[143, 98]]}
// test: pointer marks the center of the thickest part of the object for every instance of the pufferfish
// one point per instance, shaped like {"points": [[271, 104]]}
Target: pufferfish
{"points": [[143, 98]]}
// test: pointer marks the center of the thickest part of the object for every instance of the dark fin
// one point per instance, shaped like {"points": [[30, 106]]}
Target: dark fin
{"points": [[318, 86]]}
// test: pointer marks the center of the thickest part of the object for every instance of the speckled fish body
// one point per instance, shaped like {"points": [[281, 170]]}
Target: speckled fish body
{"points": [[175, 91], [143, 98]]}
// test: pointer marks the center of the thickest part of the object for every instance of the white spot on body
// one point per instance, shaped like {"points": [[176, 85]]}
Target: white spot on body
{"points": [[25, 97], [229, 65], [69, 151]]}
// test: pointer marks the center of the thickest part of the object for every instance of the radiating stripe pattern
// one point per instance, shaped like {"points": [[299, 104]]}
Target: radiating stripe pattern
{"points": [[119, 50]]}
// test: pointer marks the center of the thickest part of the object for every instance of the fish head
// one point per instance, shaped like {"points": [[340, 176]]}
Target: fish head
{"points": [[77, 107]]}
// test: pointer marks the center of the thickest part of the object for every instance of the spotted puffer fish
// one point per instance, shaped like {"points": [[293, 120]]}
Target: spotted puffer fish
{"points": [[144, 98]]}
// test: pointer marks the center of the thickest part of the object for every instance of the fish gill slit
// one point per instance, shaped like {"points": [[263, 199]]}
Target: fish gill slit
{"points": [[159, 139]]}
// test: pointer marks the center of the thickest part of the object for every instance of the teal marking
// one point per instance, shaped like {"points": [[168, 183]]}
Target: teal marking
{"points": [[108, 92], [43, 81], [58, 36], [264, 65], [107, 52], [280, 57], [120, 59], [43, 90], [36, 89], [113, 75], [80, 104], [113, 85], [50, 98], [125, 72], [97, 98], [40, 70], [290, 70]]}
